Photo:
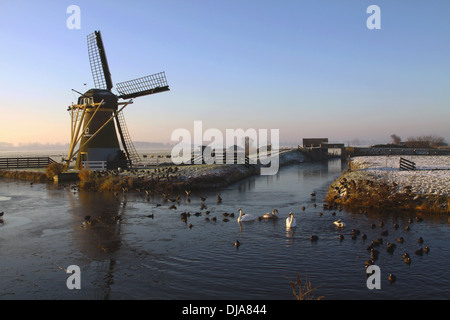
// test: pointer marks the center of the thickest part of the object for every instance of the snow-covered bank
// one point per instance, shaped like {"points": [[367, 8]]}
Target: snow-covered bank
{"points": [[431, 177], [377, 181], [183, 177]]}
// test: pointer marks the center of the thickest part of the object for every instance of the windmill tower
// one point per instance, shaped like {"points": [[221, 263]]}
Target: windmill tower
{"points": [[98, 123]]}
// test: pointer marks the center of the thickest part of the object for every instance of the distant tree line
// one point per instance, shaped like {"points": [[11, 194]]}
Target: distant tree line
{"points": [[425, 141]]}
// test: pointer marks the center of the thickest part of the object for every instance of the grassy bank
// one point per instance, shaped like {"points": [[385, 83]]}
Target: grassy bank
{"points": [[165, 179], [171, 178], [32, 176]]}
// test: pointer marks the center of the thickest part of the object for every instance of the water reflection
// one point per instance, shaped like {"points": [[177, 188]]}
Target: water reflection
{"points": [[97, 223]]}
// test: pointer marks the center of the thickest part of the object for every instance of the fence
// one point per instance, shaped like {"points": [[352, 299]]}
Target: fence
{"points": [[406, 164], [95, 165], [26, 162], [222, 158]]}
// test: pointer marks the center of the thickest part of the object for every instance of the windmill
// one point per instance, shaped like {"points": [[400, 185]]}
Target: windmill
{"points": [[98, 113]]}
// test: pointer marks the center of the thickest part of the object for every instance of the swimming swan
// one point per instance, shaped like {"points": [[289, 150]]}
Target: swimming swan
{"points": [[339, 223], [245, 217], [271, 215], [290, 221]]}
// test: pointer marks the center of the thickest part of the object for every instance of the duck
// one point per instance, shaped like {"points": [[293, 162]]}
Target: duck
{"points": [[419, 252], [420, 240], [314, 238], [390, 247], [87, 221], [290, 221], [374, 254], [392, 278], [237, 243], [272, 215], [400, 239], [2, 213], [378, 241], [245, 217], [339, 223], [426, 249], [407, 260], [341, 237]]}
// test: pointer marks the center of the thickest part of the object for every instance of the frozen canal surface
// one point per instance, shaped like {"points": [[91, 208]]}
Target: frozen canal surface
{"points": [[128, 255]]}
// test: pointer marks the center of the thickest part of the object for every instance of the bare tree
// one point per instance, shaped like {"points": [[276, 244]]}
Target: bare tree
{"points": [[396, 139], [426, 141]]}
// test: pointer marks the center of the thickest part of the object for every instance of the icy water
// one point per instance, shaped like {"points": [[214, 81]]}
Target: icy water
{"points": [[128, 255]]}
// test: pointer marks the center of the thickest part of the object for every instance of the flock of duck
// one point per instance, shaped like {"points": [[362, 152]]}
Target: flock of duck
{"points": [[290, 222]]}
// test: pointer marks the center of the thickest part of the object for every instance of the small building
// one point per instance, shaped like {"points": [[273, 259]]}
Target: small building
{"points": [[314, 142], [320, 149]]}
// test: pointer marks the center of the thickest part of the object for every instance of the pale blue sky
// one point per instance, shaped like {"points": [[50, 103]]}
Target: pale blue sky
{"points": [[310, 68]]}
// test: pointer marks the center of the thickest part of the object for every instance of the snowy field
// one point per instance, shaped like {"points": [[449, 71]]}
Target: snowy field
{"points": [[431, 177]]}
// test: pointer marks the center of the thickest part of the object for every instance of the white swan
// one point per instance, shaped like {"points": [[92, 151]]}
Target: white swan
{"points": [[339, 223], [272, 215], [245, 217], [290, 221]]}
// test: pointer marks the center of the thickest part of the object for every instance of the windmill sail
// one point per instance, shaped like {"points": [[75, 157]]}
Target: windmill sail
{"points": [[99, 64], [127, 143], [143, 86]]}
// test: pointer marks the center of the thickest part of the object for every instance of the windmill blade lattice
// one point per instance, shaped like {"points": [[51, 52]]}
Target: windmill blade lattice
{"points": [[143, 86], [99, 64]]}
